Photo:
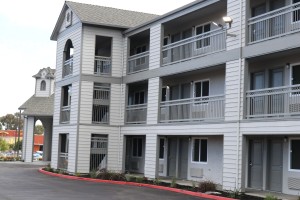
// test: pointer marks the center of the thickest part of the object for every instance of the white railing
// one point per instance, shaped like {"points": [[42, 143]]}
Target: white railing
{"points": [[65, 114], [195, 46], [101, 105], [136, 114], [273, 102], [102, 65], [273, 24], [192, 109], [67, 68], [138, 62], [63, 161]]}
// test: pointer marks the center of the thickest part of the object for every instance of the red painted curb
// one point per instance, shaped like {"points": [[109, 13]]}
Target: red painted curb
{"points": [[195, 194]]}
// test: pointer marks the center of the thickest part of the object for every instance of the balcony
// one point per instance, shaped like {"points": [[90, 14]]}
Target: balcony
{"points": [[63, 161], [277, 23], [101, 104], [193, 47], [67, 68], [192, 109], [102, 65], [138, 62], [273, 102], [136, 114], [65, 114]]}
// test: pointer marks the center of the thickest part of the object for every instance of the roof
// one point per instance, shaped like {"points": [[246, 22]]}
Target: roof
{"points": [[103, 16], [38, 106], [50, 73], [10, 133]]}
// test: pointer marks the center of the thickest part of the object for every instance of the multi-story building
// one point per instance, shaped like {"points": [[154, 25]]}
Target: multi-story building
{"points": [[183, 95]]}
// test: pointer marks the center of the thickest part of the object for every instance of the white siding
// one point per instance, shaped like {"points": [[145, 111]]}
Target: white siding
{"points": [[233, 11], [29, 139], [155, 47], [75, 20], [88, 49], [232, 90], [153, 100], [125, 55], [117, 104], [151, 156], [86, 102], [57, 104], [75, 37], [74, 103]]}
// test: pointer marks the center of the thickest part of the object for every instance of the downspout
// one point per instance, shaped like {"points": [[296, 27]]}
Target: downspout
{"points": [[239, 100]]}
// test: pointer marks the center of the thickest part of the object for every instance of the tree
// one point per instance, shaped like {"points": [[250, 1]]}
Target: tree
{"points": [[11, 121], [0, 126], [39, 129], [15, 147], [4, 146]]}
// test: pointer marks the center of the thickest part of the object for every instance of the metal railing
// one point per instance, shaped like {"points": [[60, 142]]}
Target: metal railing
{"points": [[192, 109], [67, 68], [65, 114], [98, 156], [195, 46], [101, 104], [138, 62], [63, 161], [273, 24], [273, 102], [136, 114], [102, 65]]}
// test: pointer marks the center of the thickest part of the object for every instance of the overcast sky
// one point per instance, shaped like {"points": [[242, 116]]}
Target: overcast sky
{"points": [[25, 47]]}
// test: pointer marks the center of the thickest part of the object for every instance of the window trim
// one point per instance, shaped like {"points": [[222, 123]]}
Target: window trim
{"points": [[192, 148], [194, 87], [43, 87], [195, 34], [289, 156]]}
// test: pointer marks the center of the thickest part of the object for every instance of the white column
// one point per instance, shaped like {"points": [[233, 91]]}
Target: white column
{"points": [[47, 123], [153, 100], [151, 156], [28, 149], [155, 47]]}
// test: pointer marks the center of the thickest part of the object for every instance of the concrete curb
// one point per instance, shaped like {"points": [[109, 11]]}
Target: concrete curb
{"points": [[195, 194]]}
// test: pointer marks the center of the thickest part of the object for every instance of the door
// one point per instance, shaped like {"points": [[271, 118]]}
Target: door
{"points": [[172, 154], [255, 164], [187, 48], [257, 103], [277, 23], [183, 157], [274, 177], [175, 52], [276, 101]]}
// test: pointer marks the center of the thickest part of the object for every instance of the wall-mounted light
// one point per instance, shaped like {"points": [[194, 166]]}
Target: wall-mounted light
{"points": [[228, 20], [168, 87], [287, 65], [285, 139]]}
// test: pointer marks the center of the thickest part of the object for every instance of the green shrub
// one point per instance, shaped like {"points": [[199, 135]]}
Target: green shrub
{"points": [[117, 176], [77, 174], [194, 188], [271, 197], [233, 194], [139, 179], [93, 174], [173, 183], [131, 178], [156, 181], [207, 186]]}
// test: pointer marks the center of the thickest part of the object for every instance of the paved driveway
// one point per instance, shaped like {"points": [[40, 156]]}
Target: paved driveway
{"points": [[24, 182]]}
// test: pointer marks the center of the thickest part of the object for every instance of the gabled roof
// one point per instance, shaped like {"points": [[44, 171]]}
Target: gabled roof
{"points": [[38, 106], [50, 73], [103, 16]]}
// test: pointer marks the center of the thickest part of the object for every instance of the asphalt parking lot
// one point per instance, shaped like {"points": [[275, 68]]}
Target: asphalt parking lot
{"points": [[24, 182]]}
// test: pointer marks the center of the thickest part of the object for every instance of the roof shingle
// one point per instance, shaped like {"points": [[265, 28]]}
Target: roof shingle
{"points": [[38, 106]]}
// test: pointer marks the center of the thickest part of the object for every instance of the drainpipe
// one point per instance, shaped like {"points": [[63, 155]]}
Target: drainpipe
{"points": [[239, 100]]}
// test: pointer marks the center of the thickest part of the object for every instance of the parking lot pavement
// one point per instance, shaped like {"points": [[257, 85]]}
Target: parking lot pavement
{"points": [[24, 182]]}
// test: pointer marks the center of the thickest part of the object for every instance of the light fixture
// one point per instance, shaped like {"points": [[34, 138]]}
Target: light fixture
{"points": [[228, 20], [285, 139], [287, 65]]}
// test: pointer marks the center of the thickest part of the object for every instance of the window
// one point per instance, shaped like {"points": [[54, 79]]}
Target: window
{"points": [[139, 97], [140, 49], [296, 13], [201, 30], [137, 147], [295, 154], [161, 148], [43, 85], [64, 143], [201, 88], [295, 79], [165, 42], [164, 94], [67, 94], [199, 150]]}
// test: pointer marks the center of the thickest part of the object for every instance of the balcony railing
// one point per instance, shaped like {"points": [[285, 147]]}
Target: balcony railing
{"points": [[195, 46], [67, 68], [65, 114], [273, 24], [273, 102], [192, 109], [102, 65], [63, 161], [138, 62], [136, 114]]}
